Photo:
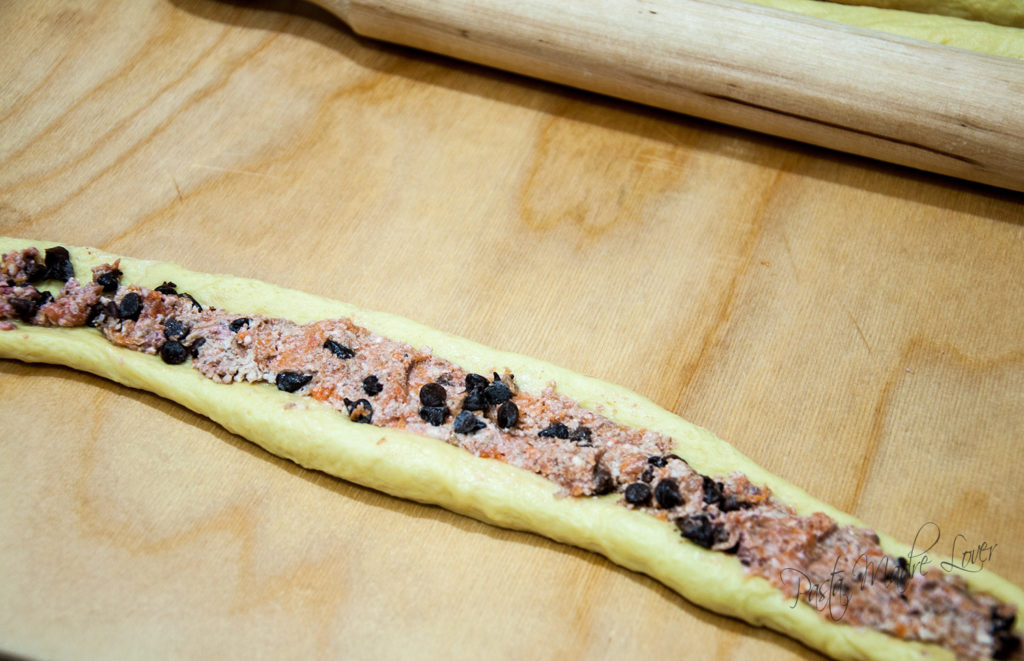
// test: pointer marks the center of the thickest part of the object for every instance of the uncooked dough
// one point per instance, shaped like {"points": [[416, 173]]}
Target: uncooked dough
{"points": [[430, 471], [986, 37], [998, 12]]}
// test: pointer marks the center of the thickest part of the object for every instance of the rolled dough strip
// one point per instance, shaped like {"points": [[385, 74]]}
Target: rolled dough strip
{"points": [[431, 471], [1003, 37], [998, 12]]}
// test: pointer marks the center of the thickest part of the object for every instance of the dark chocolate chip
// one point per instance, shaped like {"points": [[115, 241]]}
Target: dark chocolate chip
{"points": [[292, 381], [657, 461], [168, 289], [712, 490], [371, 386], [339, 350], [475, 400], [25, 308], [698, 529], [731, 503], [175, 329], [1002, 622], [647, 475], [195, 303], [359, 411], [508, 415], [433, 394], [109, 280], [476, 382], [435, 415], [497, 392], [196, 346], [676, 456], [638, 493], [1004, 645], [603, 480], [35, 272], [667, 494], [238, 324], [581, 435], [58, 264], [44, 298], [130, 306], [94, 312], [173, 352], [554, 430], [467, 423]]}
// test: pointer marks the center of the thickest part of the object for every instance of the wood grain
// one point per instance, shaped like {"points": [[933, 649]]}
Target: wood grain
{"points": [[860, 91], [853, 326]]}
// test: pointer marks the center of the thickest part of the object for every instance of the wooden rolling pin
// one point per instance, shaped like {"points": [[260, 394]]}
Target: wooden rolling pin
{"points": [[904, 101]]}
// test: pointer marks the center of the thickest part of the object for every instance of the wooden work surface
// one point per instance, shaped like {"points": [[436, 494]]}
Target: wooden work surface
{"points": [[853, 326]]}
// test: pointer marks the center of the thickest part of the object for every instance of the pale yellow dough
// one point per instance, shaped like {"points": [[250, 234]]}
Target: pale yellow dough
{"points": [[977, 35], [998, 12], [430, 471]]}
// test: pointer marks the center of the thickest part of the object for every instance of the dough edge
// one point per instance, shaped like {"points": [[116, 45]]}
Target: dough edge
{"points": [[1001, 40], [430, 471]]}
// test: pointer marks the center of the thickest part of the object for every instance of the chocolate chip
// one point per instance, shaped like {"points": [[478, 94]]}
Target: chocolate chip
{"points": [[554, 430], [508, 415], [292, 381], [25, 308], [173, 352], [95, 310], [168, 289], [712, 490], [195, 346], [497, 392], [657, 461], [647, 475], [1005, 645], [603, 480], [130, 306], [195, 303], [371, 386], [109, 280], [638, 493], [339, 350], [433, 394], [667, 494], [58, 264], [476, 382], [175, 329], [475, 400], [731, 503], [581, 435], [698, 529], [1002, 622], [44, 298], [467, 423], [435, 415], [359, 411], [238, 324], [35, 272]]}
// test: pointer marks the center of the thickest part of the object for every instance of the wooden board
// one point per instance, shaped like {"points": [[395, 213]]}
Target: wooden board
{"points": [[853, 326]]}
